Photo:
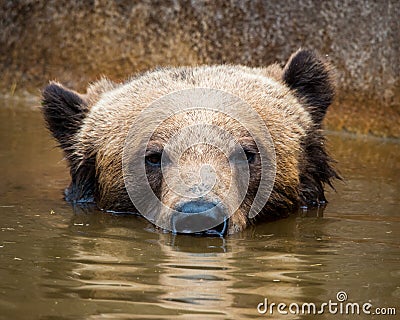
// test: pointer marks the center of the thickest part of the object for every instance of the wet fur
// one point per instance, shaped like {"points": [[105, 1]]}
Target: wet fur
{"points": [[292, 101]]}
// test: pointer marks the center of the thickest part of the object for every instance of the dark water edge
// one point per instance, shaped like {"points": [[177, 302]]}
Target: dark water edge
{"points": [[59, 264]]}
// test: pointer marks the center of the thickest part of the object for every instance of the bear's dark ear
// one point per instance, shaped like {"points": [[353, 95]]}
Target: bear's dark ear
{"points": [[312, 80], [64, 111]]}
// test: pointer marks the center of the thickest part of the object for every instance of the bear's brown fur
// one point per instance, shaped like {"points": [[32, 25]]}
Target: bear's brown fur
{"points": [[292, 101]]}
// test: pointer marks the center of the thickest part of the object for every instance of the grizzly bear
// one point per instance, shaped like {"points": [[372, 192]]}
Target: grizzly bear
{"points": [[204, 150]]}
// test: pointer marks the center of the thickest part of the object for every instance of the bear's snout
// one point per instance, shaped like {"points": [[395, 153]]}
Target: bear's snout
{"points": [[196, 215]]}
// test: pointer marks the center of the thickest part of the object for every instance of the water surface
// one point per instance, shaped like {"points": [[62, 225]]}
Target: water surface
{"points": [[61, 263]]}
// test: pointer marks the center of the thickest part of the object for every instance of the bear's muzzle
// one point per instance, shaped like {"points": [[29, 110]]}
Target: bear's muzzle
{"points": [[207, 216]]}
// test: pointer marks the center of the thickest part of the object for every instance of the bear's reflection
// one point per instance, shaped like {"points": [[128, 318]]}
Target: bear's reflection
{"points": [[122, 259], [198, 272]]}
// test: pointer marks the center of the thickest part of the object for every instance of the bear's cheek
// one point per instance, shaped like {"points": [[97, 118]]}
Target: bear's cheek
{"points": [[238, 220], [154, 178]]}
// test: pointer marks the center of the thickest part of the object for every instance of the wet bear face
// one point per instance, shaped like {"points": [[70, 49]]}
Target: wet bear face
{"points": [[198, 150], [203, 165]]}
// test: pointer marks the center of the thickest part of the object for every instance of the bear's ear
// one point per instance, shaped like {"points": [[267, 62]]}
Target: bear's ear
{"points": [[312, 80], [64, 111]]}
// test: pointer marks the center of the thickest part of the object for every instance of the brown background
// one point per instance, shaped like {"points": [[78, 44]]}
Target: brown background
{"points": [[76, 42]]}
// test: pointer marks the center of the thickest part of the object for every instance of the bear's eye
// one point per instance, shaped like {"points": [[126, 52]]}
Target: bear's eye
{"points": [[237, 157], [154, 159], [250, 156]]}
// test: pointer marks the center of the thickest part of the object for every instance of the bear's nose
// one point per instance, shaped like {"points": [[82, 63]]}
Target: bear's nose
{"points": [[200, 217]]}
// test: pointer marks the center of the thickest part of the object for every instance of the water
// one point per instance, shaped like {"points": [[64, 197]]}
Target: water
{"points": [[57, 264]]}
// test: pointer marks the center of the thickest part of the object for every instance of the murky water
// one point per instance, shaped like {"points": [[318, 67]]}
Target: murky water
{"points": [[57, 264]]}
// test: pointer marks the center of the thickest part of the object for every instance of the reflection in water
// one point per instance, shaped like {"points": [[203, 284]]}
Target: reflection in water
{"points": [[181, 275], [91, 265], [198, 274]]}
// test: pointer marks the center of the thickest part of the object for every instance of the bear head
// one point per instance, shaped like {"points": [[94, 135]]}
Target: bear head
{"points": [[206, 149]]}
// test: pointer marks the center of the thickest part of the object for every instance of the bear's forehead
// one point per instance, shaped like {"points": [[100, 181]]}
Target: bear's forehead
{"points": [[246, 83], [272, 101], [201, 122]]}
